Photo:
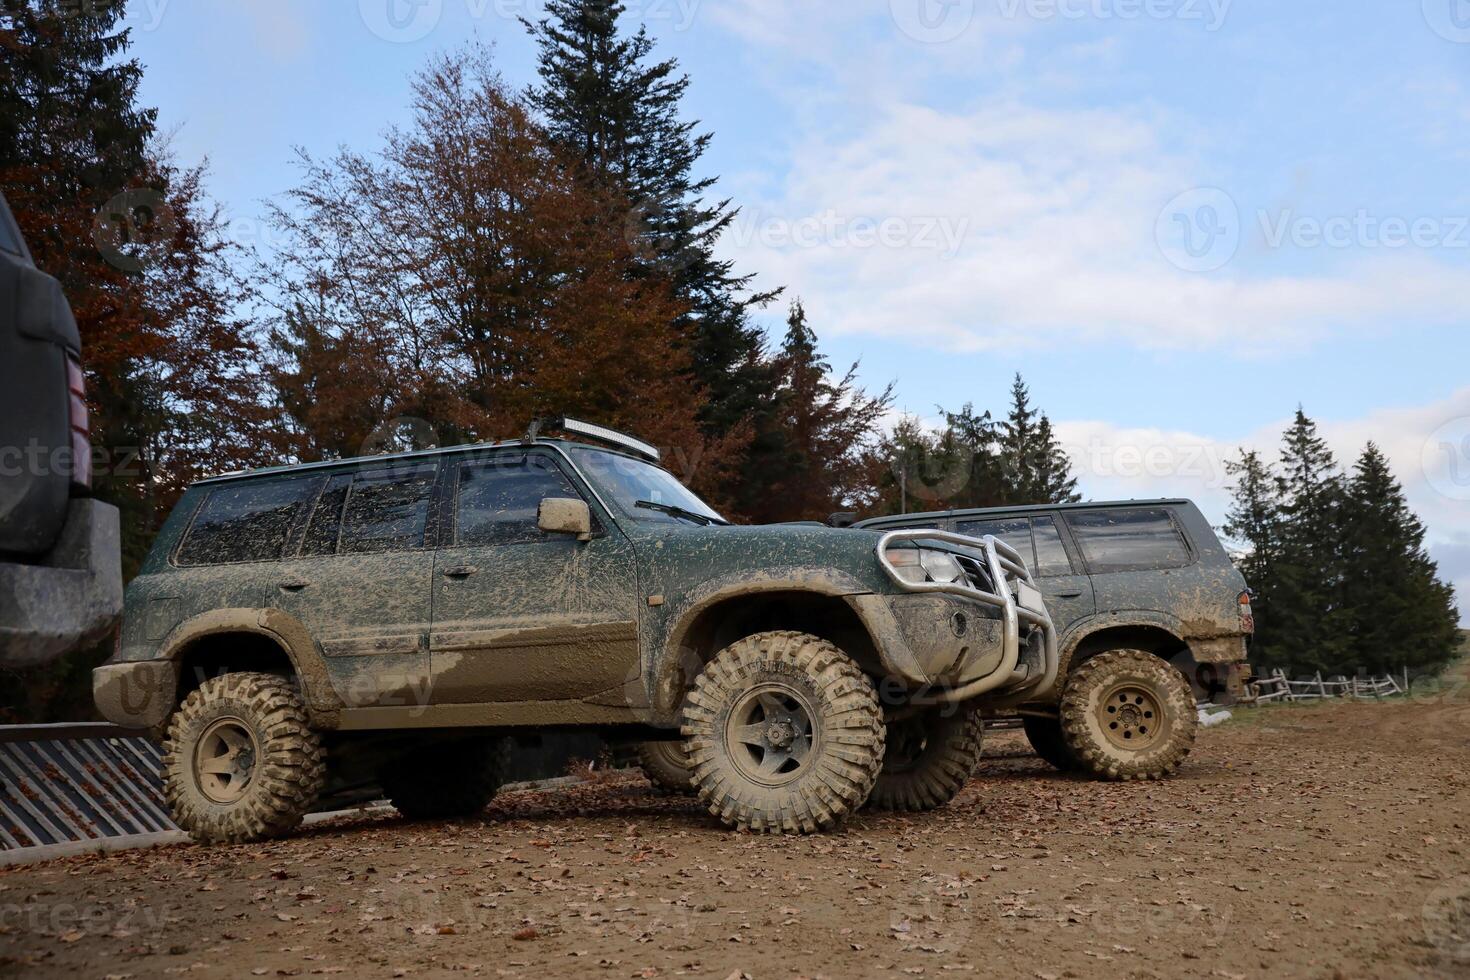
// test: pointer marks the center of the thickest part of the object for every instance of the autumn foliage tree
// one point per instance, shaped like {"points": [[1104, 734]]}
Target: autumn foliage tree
{"points": [[465, 276]]}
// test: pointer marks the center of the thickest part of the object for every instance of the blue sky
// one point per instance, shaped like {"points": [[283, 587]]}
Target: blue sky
{"points": [[1177, 218]]}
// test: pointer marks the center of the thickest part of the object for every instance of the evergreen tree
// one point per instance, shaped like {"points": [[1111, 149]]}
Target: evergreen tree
{"points": [[1034, 469], [971, 440], [605, 97], [1255, 521], [1310, 622], [828, 424], [1403, 615]]}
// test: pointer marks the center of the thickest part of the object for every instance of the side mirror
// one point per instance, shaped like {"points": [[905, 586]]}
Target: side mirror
{"points": [[561, 515]]}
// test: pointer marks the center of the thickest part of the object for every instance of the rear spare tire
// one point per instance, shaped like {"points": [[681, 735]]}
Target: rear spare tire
{"points": [[928, 759], [240, 761], [784, 734], [1127, 714]]}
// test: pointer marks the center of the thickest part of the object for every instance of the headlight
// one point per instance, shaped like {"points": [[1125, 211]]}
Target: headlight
{"points": [[920, 565]]}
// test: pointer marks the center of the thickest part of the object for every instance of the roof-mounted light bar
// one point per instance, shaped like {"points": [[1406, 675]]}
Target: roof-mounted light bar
{"points": [[591, 430]]}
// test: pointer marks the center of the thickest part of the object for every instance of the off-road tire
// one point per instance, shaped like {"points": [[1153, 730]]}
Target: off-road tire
{"points": [[940, 751], [287, 764], [844, 734], [1091, 689], [1045, 736], [444, 780], [666, 764]]}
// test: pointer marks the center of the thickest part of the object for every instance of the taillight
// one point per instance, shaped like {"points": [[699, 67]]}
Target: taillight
{"points": [[1247, 617], [81, 426]]}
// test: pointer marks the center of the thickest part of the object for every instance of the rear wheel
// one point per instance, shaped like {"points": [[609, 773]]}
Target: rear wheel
{"points": [[928, 759], [1127, 714], [444, 780], [1045, 736], [784, 734], [666, 764], [240, 761]]}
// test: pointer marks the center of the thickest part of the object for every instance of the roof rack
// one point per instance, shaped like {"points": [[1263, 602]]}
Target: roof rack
{"points": [[593, 431]]}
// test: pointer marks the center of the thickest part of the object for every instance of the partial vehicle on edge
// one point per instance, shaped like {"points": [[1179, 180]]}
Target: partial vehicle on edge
{"points": [[302, 634], [60, 560]]}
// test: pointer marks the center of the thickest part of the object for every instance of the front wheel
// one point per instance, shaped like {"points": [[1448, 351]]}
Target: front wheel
{"points": [[784, 734], [240, 762], [1127, 714], [929, 758]]}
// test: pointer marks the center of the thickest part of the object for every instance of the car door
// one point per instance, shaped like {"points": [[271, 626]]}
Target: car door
{"points": [[360, 581], [1041, 541], [521, 614]]}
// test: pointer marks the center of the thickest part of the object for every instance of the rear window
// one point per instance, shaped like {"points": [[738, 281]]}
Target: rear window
{"points": [[1132, 539], [244, 522]]}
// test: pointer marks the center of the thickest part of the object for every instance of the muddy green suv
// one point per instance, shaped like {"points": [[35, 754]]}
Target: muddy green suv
{"points": [[301, 633]]}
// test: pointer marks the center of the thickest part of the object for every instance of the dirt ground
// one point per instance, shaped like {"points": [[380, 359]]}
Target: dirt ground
{"points": [[1318, 841]]}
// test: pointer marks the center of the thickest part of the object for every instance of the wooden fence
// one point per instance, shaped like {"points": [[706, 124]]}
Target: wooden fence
{"points": [[1277, 687]]}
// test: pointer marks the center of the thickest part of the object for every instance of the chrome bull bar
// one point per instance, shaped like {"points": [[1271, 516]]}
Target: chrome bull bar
{"points": [[1017, 597]]}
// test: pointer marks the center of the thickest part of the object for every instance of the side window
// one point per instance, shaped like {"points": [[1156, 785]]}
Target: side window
{"points": [[387, 510], [246, 521], [1014, 531], [326, 518], [1051, 554], [1129, 540], [495, 502]]}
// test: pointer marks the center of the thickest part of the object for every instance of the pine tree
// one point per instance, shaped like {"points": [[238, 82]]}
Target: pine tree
{"points": [[1310, 621], [1403, 615], [1255, 521], [828, 425], [1034, 468], [972, 440], [606, 98]]}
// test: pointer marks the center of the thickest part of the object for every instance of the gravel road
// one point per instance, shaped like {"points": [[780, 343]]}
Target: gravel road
{"points": [[1318, 841]]}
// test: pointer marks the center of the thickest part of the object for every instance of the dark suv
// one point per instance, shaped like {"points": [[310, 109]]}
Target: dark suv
{"points": [[384, 622], [1147, 604], [60, 572]]}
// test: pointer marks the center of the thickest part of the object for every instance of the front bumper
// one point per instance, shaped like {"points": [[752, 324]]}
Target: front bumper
{"points": [[1013, 651], [69, 599]]}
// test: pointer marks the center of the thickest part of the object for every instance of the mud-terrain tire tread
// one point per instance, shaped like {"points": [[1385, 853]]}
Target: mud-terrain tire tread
{"points": [[852, 732], [445, 782], [1098, 758], [949, 759], [667, 766], [290, 771], [1045, 736]]}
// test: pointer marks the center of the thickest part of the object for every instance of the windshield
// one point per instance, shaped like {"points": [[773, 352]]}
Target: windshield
{"points": [[629, 483]]}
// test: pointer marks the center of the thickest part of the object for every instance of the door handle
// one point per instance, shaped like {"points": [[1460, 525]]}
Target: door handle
{"points": [[1065, 595], [294, 584], [460, 571]]}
